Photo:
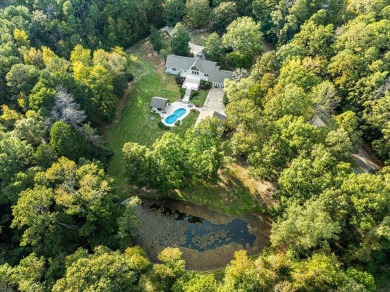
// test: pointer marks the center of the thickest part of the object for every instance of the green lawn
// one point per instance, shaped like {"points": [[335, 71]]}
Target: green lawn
{"points": [[200, 98], [234, 193], [133, 123]]}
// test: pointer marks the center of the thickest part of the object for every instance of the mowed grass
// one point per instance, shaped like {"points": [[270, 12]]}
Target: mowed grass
{"points": [[132, 121], [234, 193]]}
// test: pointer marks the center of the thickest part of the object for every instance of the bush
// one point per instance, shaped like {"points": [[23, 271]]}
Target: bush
{"points": [[163, 127], [205, 84], [182, 92], [179, 80], [164, 53], [178, 123], [193, 94]]}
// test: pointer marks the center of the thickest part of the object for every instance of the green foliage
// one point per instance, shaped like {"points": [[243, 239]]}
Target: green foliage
{"points": [[205, 149], [223, 15], [67, 141], [155, 38], [213, 47], [171, 268], [105, 270], [303, 228], [179, 41], [240, 275], [197, 13], [174, 10], [244, 36], [68, 203]]}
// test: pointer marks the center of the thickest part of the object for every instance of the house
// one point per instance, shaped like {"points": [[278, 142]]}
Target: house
{"points": [[197, 69], [158, 103]]}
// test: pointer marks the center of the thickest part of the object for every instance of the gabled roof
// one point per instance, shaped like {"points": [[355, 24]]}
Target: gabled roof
{"points": [[158, 102], [219, 116], [208, 67], [195, 49], [179, 62]]}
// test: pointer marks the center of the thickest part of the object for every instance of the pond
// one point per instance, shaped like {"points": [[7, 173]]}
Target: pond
{"points": [[201, 234], [207, 238]]}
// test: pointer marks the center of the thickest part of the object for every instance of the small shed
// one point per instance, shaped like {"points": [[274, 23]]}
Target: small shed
{"points": [[220, 116], [158, 103]]}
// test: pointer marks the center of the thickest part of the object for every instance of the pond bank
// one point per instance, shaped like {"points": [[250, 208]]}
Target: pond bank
{"points": [[207, 238]]}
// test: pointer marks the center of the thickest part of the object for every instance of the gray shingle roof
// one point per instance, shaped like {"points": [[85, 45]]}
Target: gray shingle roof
{"points": [[158, 102], [208, 67], [219, 116], [179, 62]]}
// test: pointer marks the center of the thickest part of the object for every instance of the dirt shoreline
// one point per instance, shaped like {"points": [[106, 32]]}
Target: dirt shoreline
{"points": [[258, 225]]}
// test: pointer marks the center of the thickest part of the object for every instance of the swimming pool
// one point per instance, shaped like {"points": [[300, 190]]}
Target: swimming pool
{"points": [[175, 116]]}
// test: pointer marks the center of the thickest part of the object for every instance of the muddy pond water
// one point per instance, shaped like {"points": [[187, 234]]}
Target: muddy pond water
{"points": [[207, 238]]}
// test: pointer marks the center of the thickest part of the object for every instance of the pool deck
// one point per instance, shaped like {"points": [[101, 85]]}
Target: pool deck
{"points": [[169, 110]]}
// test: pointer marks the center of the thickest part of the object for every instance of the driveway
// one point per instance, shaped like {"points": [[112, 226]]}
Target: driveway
{"points": [[213, 103]]}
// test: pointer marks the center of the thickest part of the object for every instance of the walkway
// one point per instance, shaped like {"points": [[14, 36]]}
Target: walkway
{"points": [[187, 95], [213, 103]]}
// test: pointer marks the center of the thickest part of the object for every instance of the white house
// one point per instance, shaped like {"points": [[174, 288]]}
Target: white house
{"points": [[196, 69]]}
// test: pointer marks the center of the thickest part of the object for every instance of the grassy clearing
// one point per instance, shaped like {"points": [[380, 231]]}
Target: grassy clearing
{"points": [[132, 122], [235, 193], [199, 37]]}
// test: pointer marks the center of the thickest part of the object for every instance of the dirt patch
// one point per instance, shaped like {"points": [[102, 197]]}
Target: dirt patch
{"points": [[157, 232]]}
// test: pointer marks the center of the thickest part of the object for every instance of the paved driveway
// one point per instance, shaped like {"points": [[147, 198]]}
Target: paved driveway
{"points": [[213, 103]]}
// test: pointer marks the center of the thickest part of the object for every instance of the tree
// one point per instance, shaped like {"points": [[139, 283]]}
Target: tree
{"points": [[138, 164], [197, 13], [22, 78], [128, 222], [69, 204], [201, 282], [104, 270], [15, 157], [174, 10], [67, 141], [243, 35], [214, 48], [155, 38], [302, 228], [320, 272], [292, 100], [179, 41], [29, 272], [172, 266], [65, 109], [240, 274], [223, 15], [204, 147], [169, 162]]}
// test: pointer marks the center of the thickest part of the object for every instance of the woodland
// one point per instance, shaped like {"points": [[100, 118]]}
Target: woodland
{"points": [[296, 116]]}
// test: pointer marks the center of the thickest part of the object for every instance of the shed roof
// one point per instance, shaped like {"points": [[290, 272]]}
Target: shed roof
{"points": [[220, 116], [158, 102]]}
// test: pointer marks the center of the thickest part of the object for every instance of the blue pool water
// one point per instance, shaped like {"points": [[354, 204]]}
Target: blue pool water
{"points": [[176, 114]]}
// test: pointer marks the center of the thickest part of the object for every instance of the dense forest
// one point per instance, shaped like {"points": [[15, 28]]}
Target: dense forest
{"points": [[64, 67]]}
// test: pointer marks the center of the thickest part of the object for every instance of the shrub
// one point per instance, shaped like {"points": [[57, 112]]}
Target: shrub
{"points": [[180, 80], [205, 84], [193, 94], [164, 53], [177, 123], [182, 92], [163, 127]]}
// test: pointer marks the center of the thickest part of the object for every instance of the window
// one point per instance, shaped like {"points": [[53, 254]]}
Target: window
{"points": [[195, 72], [173, 69], [207, 75]]}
